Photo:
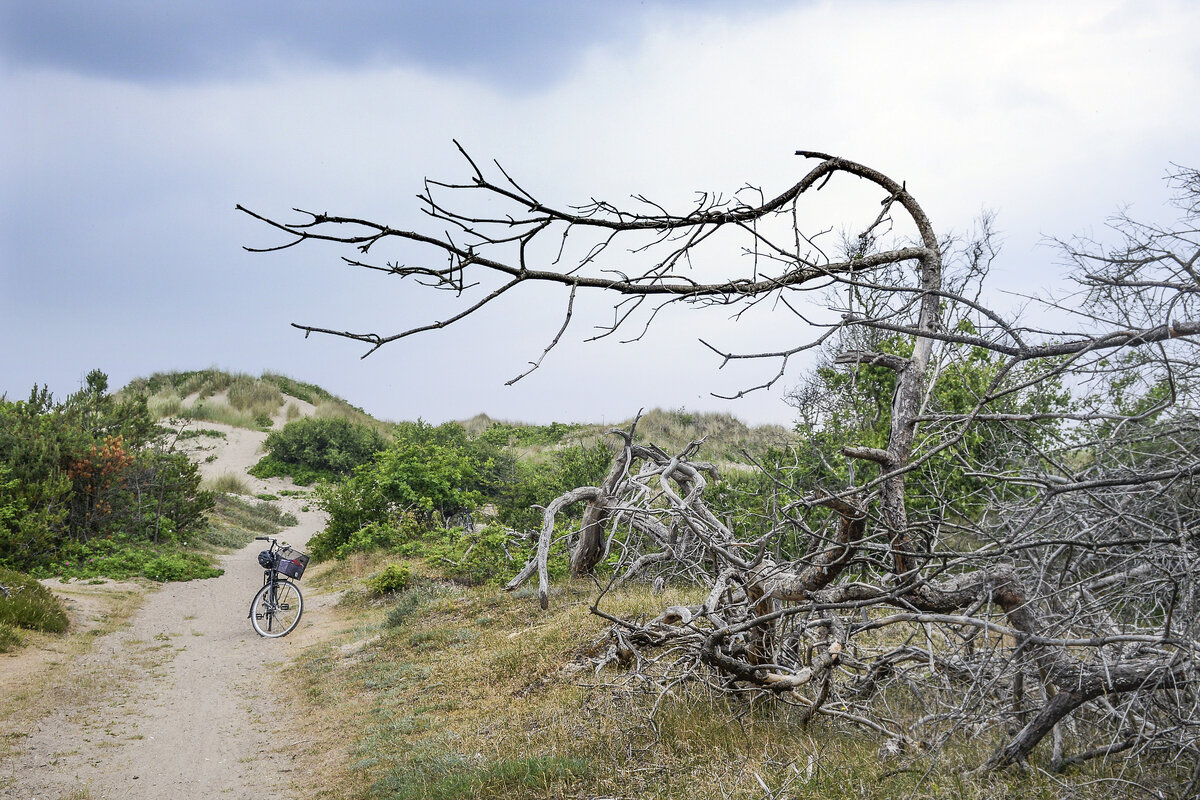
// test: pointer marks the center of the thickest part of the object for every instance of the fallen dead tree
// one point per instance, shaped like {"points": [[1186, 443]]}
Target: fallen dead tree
{"points": [[970, 634], [1018, 566]]}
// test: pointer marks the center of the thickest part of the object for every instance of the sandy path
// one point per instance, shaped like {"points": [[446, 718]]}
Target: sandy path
{"points": [[179, 704]]}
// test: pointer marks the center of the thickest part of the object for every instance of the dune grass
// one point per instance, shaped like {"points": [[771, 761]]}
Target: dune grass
{"points": [[28, 605], [227, 483], [234, 521], [456, 692]]}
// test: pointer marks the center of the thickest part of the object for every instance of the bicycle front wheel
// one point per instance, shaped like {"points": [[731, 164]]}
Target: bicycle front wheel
{"points": [[276, 609]]}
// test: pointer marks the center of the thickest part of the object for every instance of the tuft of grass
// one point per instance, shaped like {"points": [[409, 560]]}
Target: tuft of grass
{"points": [[29, 604], [216, 411], [10, 638], [420, 595], [255, 396], [165, 405], [228, 483]]}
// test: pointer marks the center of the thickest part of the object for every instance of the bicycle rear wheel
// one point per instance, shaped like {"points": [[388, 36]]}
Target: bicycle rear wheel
{"points": [[276, 609]]}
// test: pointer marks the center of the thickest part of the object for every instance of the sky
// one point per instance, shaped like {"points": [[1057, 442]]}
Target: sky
{"points": [[130, 130]]}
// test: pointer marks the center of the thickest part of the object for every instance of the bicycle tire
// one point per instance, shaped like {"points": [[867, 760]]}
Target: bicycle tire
{"points": [[277, 614]]}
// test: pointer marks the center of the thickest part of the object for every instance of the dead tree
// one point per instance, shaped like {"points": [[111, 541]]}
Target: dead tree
{"points": [[1012, 621]]}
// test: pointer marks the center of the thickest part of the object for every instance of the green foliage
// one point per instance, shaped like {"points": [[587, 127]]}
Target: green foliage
{"points": [[318, 449], [745, 499], [93, 466], [426, 470], [506, 434], [393, 578], [537, 484], [120, 558], [179, 567], [373, 536], [851, 406], [29, 604], [484, 556]]}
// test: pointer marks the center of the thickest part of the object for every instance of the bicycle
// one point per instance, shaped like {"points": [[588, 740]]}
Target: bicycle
{"points": [[277, 606]]}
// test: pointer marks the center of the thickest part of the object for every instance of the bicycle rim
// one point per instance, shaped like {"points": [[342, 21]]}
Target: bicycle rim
{"points": [[277, 609]]}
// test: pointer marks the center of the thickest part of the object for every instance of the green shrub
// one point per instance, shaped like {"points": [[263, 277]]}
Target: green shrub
{"points": [[315, 448], [538, 484], [427, 471], [512, 435], [29, 604], [88, 467], [180, 567], [394, 578], [370, 537], [270, 467]]}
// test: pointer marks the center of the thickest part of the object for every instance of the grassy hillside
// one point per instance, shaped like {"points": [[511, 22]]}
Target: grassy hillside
{"points": [[240, 400], [726, 438], [252, 402]]}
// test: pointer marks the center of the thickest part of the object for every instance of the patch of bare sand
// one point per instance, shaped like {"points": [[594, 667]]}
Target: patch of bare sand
{"points": [[185, 700]]}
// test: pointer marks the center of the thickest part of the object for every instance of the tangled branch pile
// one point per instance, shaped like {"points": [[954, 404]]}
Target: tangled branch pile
{"points": [[1001, 535]]}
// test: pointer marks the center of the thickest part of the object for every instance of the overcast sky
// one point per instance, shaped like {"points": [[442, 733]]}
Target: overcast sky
{"points": [[131, 129]]}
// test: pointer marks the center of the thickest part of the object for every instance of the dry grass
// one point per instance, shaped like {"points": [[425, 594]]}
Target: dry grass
{"points": [[39, 680], [470, 693], [227, 482]]}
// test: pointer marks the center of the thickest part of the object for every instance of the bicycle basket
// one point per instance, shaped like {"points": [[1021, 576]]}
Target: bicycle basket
{"points": [[291, 562]]}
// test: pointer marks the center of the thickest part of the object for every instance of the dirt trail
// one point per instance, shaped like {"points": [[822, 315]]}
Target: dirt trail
{"points": [[181, 703]]}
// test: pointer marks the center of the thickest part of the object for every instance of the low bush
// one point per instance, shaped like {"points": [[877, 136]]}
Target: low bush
{"points": [[29, 604], [179, 567], [120, 558], [318, 449], [393, 578], [270, 467]]}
